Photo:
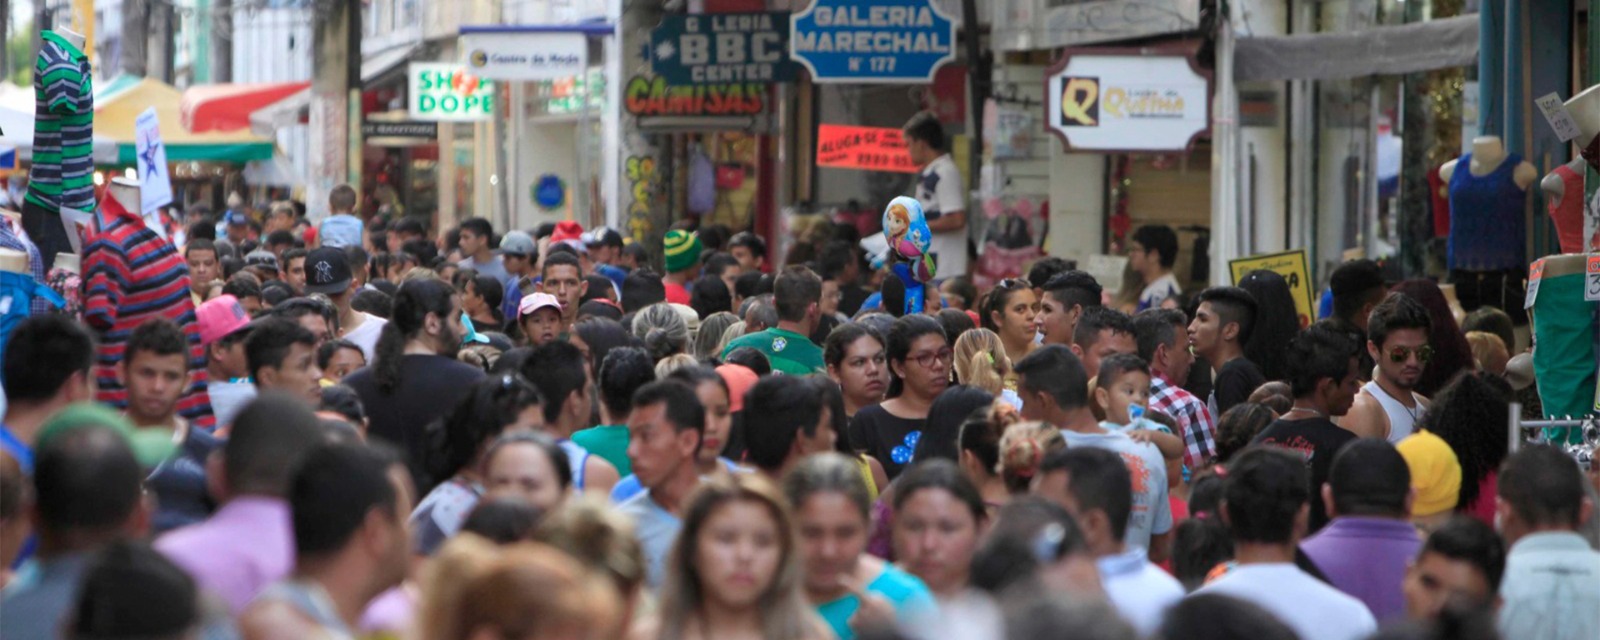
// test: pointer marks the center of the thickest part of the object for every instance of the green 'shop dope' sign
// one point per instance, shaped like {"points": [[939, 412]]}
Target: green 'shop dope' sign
{"points": [[447, 92]]}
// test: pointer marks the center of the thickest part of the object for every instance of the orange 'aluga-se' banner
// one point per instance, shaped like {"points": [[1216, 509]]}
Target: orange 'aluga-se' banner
{"points": [[865, 148]]}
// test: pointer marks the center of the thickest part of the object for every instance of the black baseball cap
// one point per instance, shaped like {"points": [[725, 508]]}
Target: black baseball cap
{"points": [[327, 271], [603, 237]]}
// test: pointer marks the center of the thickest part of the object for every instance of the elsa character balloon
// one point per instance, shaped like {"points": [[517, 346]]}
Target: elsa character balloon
{"points": [[907, 232]]}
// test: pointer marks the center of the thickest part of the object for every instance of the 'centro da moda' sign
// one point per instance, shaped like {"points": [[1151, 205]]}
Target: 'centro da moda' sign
{"points": [[872, 41]]}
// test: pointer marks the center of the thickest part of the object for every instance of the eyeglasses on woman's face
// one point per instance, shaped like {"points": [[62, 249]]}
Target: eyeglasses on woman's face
{"points": [[926, 359]]}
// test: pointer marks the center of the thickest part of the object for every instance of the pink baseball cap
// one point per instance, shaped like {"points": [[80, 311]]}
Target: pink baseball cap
{"points": [[536, 301], [219, 317], [739, 378]]}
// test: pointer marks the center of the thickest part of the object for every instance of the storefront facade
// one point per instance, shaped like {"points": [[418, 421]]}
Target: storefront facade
{"points": [[1100, 184]]}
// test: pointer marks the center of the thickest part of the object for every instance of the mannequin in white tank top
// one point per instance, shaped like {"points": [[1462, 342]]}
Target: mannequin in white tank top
{"points": [[1398, 340]]}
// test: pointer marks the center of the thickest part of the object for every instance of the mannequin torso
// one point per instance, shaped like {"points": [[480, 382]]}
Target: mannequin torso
{"points": [[74, 37], [1487, 155], [1555, 186], [1487, 200], [1566, 212], [126, 193], [69, 262], [13, 261], [1585, 110]]}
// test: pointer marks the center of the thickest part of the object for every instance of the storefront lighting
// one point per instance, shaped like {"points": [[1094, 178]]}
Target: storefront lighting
{"points": [[130, 173], [99, 179], [494, 180]]}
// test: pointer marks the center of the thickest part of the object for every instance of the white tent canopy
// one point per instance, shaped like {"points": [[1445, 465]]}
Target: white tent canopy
{"points": [[16, 120]]}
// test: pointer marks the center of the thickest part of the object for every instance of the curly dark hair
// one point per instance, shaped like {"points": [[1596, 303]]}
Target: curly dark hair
{"points": [[1470, 416], [1239, 425]]}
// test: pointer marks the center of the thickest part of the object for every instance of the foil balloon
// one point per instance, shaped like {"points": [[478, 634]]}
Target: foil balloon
{"points": [[906, 230]]}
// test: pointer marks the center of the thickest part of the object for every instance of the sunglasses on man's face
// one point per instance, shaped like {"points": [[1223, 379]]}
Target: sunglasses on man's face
{"points": [[1399, 355]]}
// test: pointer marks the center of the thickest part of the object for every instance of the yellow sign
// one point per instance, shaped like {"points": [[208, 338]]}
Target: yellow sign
{"points": [[1079, 106], [1292, 265], [83, 23]]}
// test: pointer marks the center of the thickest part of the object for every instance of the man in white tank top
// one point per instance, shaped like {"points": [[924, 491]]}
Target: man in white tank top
{"points": [[1397, 337]]}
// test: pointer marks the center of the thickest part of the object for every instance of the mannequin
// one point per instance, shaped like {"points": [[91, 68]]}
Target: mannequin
{"points": [[1488, 235], [13, 261], [74, 37], [1564, 362], [1585, 111], [1488, 152], [131, 274], [61, 157], [127, 194], [1566, 212]]}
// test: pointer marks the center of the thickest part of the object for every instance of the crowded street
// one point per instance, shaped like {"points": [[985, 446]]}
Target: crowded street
{"points": [[800, 320]]}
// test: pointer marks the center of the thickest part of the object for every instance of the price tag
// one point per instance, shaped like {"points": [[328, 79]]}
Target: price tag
{"points": [[1535, 274], [1591, 279], [1556, 114]]}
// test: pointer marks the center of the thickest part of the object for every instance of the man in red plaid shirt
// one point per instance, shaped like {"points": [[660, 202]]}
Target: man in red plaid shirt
{"points": [[1163, 339]]}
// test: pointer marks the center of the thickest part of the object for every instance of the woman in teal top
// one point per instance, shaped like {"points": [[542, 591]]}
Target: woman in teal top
{"points": [[849, 588]]}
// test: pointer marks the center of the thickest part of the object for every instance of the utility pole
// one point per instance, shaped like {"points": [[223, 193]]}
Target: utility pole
{"points": [[162, 49], [222, 41], [335, 102], [41, 22], [135, 23], [5, 34]]}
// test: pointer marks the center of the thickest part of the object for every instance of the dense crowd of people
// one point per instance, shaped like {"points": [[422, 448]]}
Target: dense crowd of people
{"points": [[395, 433]]}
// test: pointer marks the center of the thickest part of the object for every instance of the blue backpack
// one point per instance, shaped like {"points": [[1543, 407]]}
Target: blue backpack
{"points": [[17, 291]]}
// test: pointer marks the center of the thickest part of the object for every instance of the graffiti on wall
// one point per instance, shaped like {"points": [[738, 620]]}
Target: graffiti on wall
{"points": [[642, 179]]}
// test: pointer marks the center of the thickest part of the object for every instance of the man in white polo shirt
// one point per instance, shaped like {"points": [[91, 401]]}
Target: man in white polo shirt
{"points": [[940, 192]]}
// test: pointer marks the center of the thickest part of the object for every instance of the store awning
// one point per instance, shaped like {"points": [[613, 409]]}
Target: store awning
{"points": [[115, 86], [115, 118], [1423, 46], [295, 107], [227, 107]]}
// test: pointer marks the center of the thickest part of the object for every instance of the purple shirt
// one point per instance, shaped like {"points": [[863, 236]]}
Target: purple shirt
{"points": [[1366, 558], [240, 551]]}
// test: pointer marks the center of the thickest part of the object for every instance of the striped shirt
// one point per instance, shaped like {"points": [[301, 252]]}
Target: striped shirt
{"points": [[63, 130], [130, 275]]}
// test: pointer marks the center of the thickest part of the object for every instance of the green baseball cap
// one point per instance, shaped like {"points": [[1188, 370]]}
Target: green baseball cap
{"points": [[150, 447]]}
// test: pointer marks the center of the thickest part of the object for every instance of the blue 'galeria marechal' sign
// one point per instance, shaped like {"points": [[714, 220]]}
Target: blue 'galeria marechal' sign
{"points": [[872, 41]]}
